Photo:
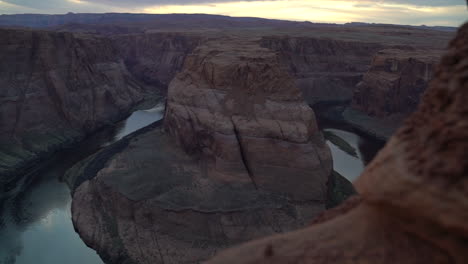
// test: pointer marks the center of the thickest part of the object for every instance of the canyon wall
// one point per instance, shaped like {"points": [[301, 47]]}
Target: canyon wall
{"points": [[155, 58], [243, 108], [380, 81], [239, 157], [395, 82], [391, 90], [54, 89], [413, 197], [324, 69]]}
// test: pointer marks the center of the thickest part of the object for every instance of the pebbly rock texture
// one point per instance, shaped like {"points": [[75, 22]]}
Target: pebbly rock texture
{"points": [[54, 89], [326, 70], [414, 198], [155, 58], [239, 157]]}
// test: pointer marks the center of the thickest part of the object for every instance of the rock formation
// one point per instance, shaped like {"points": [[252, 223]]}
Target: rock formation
{"points": [[239, 157], [55, 88], [241, 109], [395, 82], [324, 69], [413, 196], [155, 58], [391, 89]]}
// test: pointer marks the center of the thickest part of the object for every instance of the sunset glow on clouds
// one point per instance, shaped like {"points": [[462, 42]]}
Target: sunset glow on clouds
{"points": [[413, 12]]}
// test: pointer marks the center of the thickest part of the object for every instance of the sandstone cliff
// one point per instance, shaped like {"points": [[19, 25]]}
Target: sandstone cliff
{"points": [[240, 157], [391, 89], [155, 58], [413, 206], [56, 88], [241, 109], [395, 82], [325, 69]]}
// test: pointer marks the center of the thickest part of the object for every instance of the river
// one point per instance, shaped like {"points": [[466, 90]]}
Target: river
{"points": [[351, 150], [35, 217]]}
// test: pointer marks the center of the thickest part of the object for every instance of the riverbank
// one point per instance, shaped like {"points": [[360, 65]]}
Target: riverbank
{"points": [[341, 113], [35, 152], [35, 215]]}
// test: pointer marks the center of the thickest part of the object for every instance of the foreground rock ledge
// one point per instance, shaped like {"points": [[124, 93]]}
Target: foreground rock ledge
{"points": [[414, 196], [239, 157]]}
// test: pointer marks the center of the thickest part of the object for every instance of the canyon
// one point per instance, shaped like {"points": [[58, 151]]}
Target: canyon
{"points": [[56, 88], [413, 197], [239, 154], [229, 168], [330, 64]]}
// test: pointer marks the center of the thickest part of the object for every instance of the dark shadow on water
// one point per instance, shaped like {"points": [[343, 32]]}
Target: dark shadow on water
{"points": [[35, 217], [343, 162]]}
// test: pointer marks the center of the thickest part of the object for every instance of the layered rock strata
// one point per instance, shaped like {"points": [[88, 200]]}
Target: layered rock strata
{"points": [[326, 70], [395, 82], [391, 90], [235, 105], [155, 58], [56, 88], [413, 206], [239, 157]]}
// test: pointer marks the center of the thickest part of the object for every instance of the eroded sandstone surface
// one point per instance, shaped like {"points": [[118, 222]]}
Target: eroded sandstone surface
{"points": [[237, 105], [391, 89], [155, 58], [239, 157], [134, 52], [395, 82], [413, 196], [324, 69]]}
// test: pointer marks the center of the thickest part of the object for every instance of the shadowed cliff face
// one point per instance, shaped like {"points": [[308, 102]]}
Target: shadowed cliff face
{"points": [[239, 157], [395, 82], [55, 88], [155, 58], [413, 205], [324, 69], [238, 106]]}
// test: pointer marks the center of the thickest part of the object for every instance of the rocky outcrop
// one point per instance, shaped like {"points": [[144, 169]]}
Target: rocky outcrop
{"points": [[155, 58], [239, 157], [391, 90], [413, 206], [395, 82], [324, 69], [56, 88], [241, 109]]}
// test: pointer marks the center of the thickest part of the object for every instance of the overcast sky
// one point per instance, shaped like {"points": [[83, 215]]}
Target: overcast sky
{"points": [[413, 12]]}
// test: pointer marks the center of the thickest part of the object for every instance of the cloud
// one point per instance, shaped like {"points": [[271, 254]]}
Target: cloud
{"points": [[44, 4], [414, 12], [63, 4], [425, 2]]}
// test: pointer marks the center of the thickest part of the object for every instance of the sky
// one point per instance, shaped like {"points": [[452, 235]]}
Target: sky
{"points": [[408, 12]]}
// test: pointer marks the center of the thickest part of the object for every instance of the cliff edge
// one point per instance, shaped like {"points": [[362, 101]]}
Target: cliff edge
{"points": [[413, 205]]}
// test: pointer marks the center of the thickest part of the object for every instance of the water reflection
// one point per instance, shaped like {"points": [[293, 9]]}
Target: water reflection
{"points": [[140, 119], [351, 151], [35, 218], [344, 163]]}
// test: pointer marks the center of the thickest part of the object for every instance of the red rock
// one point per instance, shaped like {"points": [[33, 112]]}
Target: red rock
{"points": [[414, 196], [326, 70], [237, 105], [155, 58], [56, 88], [395, 82], [241, 158]]}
